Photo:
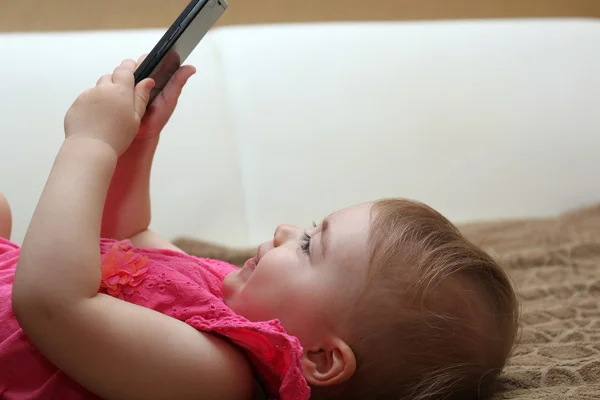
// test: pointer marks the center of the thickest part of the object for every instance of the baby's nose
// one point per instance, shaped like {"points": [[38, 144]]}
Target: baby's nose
{"points": [[283, 233]]}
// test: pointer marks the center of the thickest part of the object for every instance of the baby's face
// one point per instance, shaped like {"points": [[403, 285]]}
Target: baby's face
{"points": [[305, 278]]}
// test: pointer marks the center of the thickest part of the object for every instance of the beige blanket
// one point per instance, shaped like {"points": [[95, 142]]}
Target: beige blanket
{"points": [[555, 264]]}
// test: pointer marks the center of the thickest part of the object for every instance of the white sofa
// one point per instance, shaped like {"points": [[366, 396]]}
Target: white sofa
{"points": [[480, 119]]}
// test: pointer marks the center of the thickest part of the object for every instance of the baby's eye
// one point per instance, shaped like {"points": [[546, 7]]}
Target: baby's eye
{"points": [[305, 243]]}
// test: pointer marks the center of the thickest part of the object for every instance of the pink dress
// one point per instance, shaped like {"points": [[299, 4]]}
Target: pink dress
{"points": [[178, 285]]}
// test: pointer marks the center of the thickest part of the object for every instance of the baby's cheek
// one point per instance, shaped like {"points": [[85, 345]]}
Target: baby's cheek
{"points": [[328, 298]]}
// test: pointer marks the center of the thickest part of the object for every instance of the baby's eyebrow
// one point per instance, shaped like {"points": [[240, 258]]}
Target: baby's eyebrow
{"points": [[324, 230]]}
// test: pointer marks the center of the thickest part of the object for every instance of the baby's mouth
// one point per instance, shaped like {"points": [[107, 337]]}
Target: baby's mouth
{"points": [[251, 263]]}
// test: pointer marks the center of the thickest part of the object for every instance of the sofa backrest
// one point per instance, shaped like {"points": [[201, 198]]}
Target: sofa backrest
{"points": [[287, 123], [480, 119], [195, 184]]}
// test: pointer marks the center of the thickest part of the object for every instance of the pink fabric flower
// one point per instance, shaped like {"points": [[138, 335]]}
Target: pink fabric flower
{"points": [[122, 269]]}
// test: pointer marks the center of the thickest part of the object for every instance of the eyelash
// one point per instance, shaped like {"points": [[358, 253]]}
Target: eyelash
{"points": [[305, 241]]}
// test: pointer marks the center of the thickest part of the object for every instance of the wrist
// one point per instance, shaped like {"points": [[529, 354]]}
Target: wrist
{"points": [[86, 157], [89, 150], [141, 149]]}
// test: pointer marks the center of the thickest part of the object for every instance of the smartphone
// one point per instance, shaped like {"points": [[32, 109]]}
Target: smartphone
{"points": [[178, 42]]}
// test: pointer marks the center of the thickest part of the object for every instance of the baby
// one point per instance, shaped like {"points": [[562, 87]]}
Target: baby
{"points": [[384, 300]]}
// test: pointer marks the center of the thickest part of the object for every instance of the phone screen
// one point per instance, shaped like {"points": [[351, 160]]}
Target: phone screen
{"points": [[193, 32]]}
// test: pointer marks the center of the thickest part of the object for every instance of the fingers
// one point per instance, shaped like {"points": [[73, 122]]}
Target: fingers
{"points": [[142, 97], [123, 74], [141, 60], [104, 80], [173, 88]]}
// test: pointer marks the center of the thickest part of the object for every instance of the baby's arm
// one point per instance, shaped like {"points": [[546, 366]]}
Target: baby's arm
{"points": [[113, 348], [127, 211], [127, 207]]}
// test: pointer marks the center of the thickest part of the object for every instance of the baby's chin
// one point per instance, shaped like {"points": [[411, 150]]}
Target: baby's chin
{"points": [[231, 285], [235, 281], [237, 301]]}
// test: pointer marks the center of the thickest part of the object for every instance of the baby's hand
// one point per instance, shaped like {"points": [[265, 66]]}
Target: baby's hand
{"points": [[163, 106], [111, 111]]}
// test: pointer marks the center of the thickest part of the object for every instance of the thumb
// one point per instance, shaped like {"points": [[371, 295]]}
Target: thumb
{"points": [[142, 97]]}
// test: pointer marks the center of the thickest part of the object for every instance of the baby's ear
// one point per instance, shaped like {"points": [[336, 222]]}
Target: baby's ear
{"points": [[332, 364]]}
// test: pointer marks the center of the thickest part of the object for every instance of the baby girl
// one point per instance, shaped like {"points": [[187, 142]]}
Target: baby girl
{"points": [[384, 300]]}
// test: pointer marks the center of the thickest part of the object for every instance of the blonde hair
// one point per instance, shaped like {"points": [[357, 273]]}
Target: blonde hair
{"points": [[439, 317]]}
